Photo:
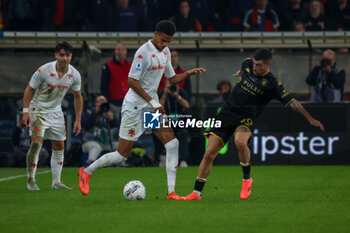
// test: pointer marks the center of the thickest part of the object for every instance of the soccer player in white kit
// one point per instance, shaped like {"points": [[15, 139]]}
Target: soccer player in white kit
{"points": [[43, 112], [151, 60]]}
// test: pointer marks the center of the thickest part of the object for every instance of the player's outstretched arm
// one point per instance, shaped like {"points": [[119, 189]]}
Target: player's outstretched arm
{"points": [[135, 85], [181, 77], [78, 107], [298, 107], [27, 97]]}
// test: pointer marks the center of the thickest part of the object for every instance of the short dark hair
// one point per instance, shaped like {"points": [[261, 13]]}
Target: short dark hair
{"points": [[263, 54], [223, 83], [65, 46], [166, 26]]}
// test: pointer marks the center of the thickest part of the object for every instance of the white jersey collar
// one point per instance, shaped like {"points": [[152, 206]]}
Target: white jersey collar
{"points": [[154, 47], [54, 71]]}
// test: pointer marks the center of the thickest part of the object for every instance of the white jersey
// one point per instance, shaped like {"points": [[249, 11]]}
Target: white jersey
{"points": [[50, 89], [148, 67]]}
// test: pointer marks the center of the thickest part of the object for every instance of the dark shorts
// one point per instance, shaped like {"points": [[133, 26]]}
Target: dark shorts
{"points": [[230, 123]]}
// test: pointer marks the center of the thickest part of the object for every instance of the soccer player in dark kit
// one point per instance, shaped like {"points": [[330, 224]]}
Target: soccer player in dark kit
{"points": [[256, 87]]}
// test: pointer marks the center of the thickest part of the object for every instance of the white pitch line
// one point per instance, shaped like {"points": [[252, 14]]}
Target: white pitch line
{"points": [[20, 176]]}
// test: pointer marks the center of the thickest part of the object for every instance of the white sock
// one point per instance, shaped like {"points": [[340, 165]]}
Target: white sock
{"points": [[32, 159], [57, 158], [172, 161], [105, 161], [198, 193]]}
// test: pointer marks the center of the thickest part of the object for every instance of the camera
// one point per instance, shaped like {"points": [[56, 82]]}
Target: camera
{"points": [[326, 62], [173, 88], [104, 107]]}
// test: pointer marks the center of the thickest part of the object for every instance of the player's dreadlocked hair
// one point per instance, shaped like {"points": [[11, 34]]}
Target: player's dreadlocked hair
{"points": [[263, 54], [65, 46], [166, 26]]}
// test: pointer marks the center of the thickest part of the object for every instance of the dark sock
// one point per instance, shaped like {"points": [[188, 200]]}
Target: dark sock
{"points": [[246, 170], [199, 185]]}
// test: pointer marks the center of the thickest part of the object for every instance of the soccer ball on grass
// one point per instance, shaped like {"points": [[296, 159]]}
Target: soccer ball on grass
{"points": [[134, 190]]}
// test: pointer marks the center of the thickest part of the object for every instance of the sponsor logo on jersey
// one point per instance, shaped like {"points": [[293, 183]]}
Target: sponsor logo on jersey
{"points": [[139, 56], [159, 67], [57, 86]]}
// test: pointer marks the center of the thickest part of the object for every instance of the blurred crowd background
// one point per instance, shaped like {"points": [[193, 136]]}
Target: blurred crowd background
{"points": [[189, 15]]}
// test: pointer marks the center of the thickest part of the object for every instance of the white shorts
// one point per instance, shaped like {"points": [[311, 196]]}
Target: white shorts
{"points": [[49, 125], [131, 126]]}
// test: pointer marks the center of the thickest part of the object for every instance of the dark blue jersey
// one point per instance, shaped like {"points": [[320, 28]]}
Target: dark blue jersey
{"points": [[252, 93]]}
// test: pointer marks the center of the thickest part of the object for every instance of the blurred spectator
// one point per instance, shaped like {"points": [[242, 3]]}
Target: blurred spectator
{"points": [[236, 12], [63, 15], [184, 20], [100, 129], [1, 19], [339, 10], [115, 77], [203, 11], [99, 16], [21, 145], [175, 101], [315, 20], [224, 88], [261, 18], [293, 13], [185, 85], [148, 13], [327, 79], [299, 26], [24, 15], [127, 17]]}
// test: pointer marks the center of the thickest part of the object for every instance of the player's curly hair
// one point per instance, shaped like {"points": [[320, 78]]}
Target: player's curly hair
{"points": [[65, 46], [166, 26], [263, 54]]}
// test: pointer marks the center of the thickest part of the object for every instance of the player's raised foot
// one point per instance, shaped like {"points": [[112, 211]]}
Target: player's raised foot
{"points": [[84, 179], [193, 196], [32, 186], [60, 186], [174, 196], [246, 188]]}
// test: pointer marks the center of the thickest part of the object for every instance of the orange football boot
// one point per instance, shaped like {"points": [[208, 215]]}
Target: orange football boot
{"points": [[84, 179], [246, 188], [193, 196], [174, 196]]}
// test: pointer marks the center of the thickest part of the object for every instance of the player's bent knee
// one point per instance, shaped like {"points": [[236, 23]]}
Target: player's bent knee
{"points": [[172, 144], [241, 143]]}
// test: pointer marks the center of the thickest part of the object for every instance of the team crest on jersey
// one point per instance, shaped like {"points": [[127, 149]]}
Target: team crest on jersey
{"points": [[153, 55], [131, 132], [239, 79], [139, 56], [69, 76], [165, 53], [264, 82]]}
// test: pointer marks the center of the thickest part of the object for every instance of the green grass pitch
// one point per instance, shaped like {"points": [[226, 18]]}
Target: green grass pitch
{"points": [[284, 199]]}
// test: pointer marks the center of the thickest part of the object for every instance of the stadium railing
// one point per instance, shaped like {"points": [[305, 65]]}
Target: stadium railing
{"points": [[188, 40]]}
